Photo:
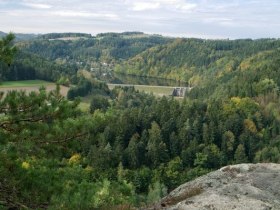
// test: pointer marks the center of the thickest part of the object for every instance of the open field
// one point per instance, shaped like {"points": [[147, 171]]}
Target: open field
{"points": [[156, 90], [68, 38], [24, 83], [30, 85]]}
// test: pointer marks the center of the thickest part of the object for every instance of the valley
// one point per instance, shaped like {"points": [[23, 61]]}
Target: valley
{"points": [[103, 141]]}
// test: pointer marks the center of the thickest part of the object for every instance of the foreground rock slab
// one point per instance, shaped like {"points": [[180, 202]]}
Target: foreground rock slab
{"points": [[243, 186]]}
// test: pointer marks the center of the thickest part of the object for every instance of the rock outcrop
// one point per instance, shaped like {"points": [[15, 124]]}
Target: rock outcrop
{"points": [[243, 186]]}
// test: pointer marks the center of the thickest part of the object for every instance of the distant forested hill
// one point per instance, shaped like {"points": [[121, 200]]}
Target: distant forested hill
{"points": [[29, 66], [63, 35], [184, 58], [90, 51], [20, 36], [59, 55], [214, 68]]}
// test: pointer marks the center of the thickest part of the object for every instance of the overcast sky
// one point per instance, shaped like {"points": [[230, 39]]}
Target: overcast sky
{"points": [[180, 18]]}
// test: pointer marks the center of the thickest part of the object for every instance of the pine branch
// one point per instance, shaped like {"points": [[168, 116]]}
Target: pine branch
{"points": [[65, 139]]}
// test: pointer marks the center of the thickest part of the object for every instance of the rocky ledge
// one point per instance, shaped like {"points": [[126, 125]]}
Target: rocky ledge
{"points": [[243, 186]]}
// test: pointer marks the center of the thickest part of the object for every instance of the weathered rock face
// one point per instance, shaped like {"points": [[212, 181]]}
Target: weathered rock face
{"points": [[244, 186]]}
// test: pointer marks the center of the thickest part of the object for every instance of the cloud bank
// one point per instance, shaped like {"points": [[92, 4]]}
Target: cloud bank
{"points": [[181, 18]]}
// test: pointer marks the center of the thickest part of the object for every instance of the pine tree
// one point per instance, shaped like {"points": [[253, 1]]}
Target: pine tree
{"points": [[7, 51], [157, 151], [240, 156]]}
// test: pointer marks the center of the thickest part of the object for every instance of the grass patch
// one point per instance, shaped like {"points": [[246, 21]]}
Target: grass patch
{"points": [[24, 83], [156, 90]]}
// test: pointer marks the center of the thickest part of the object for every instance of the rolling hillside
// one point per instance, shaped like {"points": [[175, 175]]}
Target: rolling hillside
{"points": [[92, 51]]}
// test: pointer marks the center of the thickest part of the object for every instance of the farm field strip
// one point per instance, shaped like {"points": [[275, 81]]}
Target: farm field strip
{"points": [[24, 83], [31, 85], [157, 90]]}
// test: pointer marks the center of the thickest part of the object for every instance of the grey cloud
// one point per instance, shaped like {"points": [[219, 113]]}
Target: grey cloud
{"points": [[196, 18]]}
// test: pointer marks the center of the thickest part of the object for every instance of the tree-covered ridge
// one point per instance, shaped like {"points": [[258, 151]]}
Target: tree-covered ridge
{"points": [[18, 65], [186, 59], [210, 66], [89, 50], [20, 36], [29, 66], [255, 75], [58, 57], [63, 35]]}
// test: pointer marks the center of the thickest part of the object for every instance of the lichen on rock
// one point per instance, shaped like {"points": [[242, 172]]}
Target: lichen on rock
{"points": [[239, 187]]}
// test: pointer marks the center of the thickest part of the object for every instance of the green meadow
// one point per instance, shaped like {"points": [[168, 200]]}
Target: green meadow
{"points": [[156, 90], [24, 83]]}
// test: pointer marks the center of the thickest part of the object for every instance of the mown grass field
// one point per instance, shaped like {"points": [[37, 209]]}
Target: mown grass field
{"points": [[156, 90], [24, 83], [30, 85]]}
